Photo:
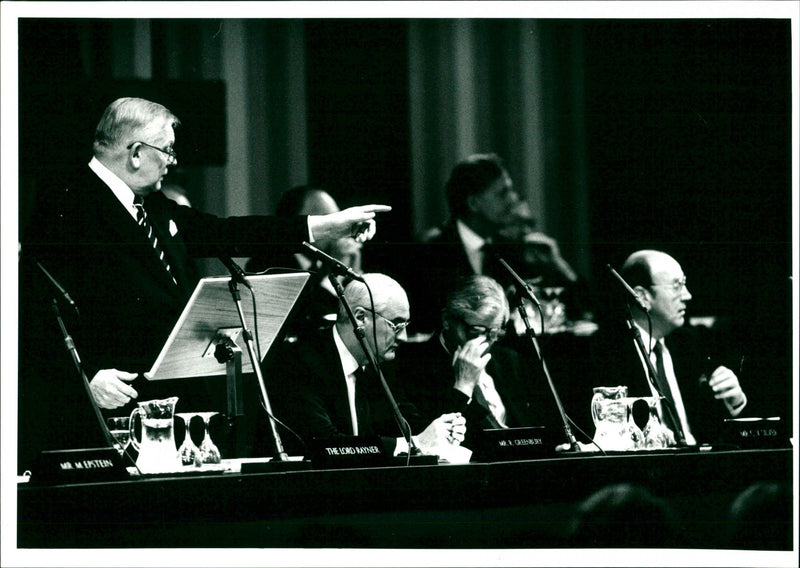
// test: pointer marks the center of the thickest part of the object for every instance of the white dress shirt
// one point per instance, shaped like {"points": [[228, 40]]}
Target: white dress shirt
{"points": [[473, 245], [349, 366]]}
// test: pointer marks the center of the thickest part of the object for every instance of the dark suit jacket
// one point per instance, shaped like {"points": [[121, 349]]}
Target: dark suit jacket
{"points": [[128, 304], [426, 371], [310, 394], [441, 259], [694, 353]]}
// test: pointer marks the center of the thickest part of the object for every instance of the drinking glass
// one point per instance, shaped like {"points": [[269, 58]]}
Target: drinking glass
{"points": [[555, 312], [189, 452], [119, 428], [209, 453]]}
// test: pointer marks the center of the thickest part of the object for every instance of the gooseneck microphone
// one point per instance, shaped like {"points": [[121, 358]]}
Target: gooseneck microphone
{"points": [[639, 302], [335, 265], [521, 284], [236, 271], [58, 286]]}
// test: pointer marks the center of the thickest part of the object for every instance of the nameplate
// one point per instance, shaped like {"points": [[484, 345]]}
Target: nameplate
{"points": [[348, 451], [756, 433], [88, 465], [508, 444]]}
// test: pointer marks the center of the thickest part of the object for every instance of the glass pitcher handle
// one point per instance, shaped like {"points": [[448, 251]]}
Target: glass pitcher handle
{"points": [[134, 441], [594, 405]]}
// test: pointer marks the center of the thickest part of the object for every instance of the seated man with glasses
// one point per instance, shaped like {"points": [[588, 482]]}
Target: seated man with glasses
{"points": [[693, 363], [324, 386], [461, 369]]}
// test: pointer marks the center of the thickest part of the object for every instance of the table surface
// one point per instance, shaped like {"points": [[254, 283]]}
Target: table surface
{"points": [[505, 505]]}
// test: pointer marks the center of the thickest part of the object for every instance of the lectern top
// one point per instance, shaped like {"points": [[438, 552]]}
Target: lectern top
{"points": [[211, 312]]}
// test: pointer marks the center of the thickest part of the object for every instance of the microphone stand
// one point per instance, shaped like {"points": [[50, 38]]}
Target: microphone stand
{"points": [[69, 344], [358, 331], [73, 351], [525, 289], [280, 453]]}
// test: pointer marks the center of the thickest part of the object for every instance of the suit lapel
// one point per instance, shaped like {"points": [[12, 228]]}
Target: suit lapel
{"points": [[110, 217], [329, 366]]}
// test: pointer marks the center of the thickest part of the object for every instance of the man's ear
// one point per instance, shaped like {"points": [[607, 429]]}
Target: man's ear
{"points": [[134, 155], [643, 295], [360, 314]]}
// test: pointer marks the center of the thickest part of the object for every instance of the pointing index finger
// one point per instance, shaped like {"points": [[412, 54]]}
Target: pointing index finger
{"points": [[376, 208]]}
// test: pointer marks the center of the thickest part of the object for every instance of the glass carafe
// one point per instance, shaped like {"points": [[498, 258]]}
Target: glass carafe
{"points": [[157, 450], [656, 434], [611, 414]]}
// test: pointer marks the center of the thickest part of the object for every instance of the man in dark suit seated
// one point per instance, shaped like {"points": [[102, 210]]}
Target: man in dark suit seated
{"points": [[324, 386], [122, 251], [487, 218], [461, 369], [690, 366]]}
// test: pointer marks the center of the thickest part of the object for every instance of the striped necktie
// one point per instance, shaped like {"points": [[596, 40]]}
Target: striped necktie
{"points": [[144, 223]]}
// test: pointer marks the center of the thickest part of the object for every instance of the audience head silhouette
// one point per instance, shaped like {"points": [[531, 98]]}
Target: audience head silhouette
{"points": [[622, 516]]}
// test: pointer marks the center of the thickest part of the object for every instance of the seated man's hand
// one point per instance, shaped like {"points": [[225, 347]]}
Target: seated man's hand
{"points": [[447, 429], [725, 385], [356, 222], [110, 388], [469, 361]]}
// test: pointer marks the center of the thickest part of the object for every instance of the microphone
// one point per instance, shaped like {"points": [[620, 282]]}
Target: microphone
{"points": [[521, 284], [336, 266], [60, 289], [236, 271], [631, 293]]}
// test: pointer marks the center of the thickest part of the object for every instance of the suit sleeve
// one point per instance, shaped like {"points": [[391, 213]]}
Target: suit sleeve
{"points": [[207, 235]]}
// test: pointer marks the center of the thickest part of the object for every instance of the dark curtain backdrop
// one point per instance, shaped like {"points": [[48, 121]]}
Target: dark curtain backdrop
{"points": [[673, 134]]}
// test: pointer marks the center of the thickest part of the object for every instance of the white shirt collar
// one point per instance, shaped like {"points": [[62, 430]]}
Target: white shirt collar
{"points": [[471, 239], [349, 363], [120, 189], [648, 341]]}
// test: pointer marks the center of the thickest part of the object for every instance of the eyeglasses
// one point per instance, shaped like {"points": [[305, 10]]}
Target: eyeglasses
{"points": [[491, 333], [678, 285], [168, 151], [396, 328]]}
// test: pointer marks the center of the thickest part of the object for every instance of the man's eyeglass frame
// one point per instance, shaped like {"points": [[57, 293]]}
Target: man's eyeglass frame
{"points": [[397, 328], [169, 151], [677, 285], [492, 334]]}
